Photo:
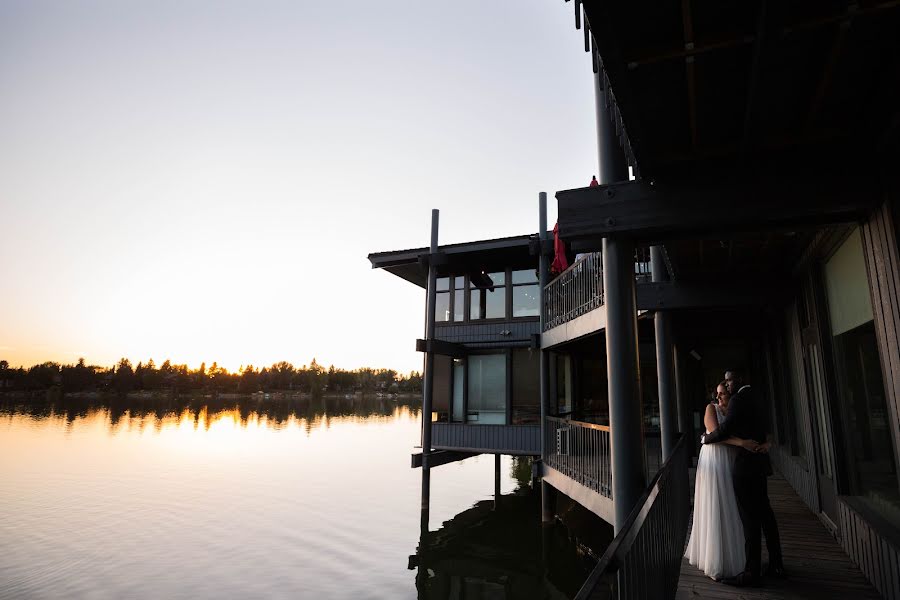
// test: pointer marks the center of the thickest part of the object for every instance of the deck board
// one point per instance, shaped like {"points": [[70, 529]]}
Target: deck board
{"points": [[818, 568]]}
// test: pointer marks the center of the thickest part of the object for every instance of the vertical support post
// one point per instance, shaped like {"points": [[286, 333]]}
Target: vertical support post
{"points": [[428, 383], [665, 376], [622, 360], [544, 279], [623, 366], [683, 424], [496, 481]]}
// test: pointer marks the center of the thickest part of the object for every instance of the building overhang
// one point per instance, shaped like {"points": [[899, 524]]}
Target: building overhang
{"points": [[469, 258], [702, 83], [712, 207]]}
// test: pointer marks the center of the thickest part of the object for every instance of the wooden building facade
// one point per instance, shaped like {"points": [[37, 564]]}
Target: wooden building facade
{"points": [[760, 233]]}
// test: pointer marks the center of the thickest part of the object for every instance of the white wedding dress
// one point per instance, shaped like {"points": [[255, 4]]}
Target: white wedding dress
{"points": [[717, 537]]}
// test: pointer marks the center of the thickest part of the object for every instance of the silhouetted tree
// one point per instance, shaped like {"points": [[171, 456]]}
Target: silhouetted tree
{"points": [[123, 381]]}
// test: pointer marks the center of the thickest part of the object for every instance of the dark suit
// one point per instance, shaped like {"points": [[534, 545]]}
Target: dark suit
{"points": [[746, 420]]}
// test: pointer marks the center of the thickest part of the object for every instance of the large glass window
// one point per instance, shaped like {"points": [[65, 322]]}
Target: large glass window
{"points": [[459, 391], [489, 302], [525, 293], [526, 394], [495, 299], [442, 299], [487, 388], [872, 469], [564, 385], [459, 298]]}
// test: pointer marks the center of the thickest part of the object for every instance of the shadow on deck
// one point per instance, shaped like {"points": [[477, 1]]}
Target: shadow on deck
{"points": [[817, 566]]}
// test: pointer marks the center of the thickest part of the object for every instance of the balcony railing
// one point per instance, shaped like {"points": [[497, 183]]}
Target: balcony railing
{"points": [[579, 289], [644, 559], [580, 451]]}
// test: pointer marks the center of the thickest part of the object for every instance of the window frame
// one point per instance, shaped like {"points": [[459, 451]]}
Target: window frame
{"points": [[467, 296]]}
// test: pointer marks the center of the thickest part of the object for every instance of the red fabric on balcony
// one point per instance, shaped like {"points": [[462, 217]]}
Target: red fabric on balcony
{"points": [[560, 262]]}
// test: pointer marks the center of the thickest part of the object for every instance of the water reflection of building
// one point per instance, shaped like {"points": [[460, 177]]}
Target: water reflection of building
{"points": [[483, 554]]}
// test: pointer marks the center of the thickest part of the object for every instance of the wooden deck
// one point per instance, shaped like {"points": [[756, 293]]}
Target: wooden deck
{"points": [[817, 566]]}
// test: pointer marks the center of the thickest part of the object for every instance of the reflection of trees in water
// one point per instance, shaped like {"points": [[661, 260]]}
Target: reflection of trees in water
{"points": [[274, 412]]}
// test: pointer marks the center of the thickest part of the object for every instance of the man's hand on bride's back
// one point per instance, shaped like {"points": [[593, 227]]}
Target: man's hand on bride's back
{"points": [[751, 445]]}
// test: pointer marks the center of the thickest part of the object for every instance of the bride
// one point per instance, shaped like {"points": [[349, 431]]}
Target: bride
{"points": [[717, 537]]}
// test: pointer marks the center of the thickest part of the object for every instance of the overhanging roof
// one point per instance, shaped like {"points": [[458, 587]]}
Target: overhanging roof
{"points": [[459, 259], [703, 84]]}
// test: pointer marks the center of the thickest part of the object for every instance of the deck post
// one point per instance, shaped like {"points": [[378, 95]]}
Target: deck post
{"points": [[622, 361], [665, 376], [428, 383], [544, 279], [683, 426], [496, 481]]}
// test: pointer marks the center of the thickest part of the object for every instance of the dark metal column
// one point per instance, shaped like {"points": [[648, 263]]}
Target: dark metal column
{"points": [[683, 422], [428, 383], [622, 361], [496, 481], [544, 279], [665, 371]]}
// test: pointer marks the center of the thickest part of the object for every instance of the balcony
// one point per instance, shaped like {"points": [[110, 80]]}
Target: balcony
{"points": [[578, 462], [519, 440], [574, 301]]}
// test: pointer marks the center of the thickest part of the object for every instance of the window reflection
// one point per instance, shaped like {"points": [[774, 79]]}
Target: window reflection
{"points": [[495, 305], [871, 454], [442, 307], [459, 298], [524, 276], [526, 301], [487, 389]]}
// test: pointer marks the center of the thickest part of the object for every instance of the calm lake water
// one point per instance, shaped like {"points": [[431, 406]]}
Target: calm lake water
{"points": [[250, 499]]}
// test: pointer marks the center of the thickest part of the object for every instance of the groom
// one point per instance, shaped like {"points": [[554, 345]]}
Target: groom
{"points": [[746, 420]]}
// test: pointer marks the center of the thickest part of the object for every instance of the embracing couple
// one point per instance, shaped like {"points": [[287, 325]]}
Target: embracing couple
{"points": [[731, 499]]}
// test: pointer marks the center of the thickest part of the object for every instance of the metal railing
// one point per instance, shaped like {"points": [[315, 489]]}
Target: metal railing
{"points": [[644, 559], [576, 291], [579, 289], [580, 451]]}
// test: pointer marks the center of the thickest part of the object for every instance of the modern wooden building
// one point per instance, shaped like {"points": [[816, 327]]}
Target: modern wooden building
{"points": [[486, 354], [760, 232]]}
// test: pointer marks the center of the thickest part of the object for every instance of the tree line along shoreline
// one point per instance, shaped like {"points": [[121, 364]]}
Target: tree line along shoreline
{"points": [[124, 378]]}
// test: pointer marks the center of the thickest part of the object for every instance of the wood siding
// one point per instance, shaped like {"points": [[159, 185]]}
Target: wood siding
{"points": [[797, 475], [489, 335], [877, 557], [879, 236], [498, 439]]}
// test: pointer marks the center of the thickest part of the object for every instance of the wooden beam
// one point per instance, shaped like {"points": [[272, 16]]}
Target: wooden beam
{"points": [[656, 211], [687, 24], [825, 82], [679, 295], [686, 52], [440, 457], [712, 45], [441, 347], [762, 50]]}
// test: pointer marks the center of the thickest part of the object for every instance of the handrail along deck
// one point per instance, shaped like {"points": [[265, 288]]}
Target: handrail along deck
{"points": [[644, 559]]}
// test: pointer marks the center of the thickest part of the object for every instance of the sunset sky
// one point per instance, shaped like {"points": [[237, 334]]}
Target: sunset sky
{"points": [[202, 181]]}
